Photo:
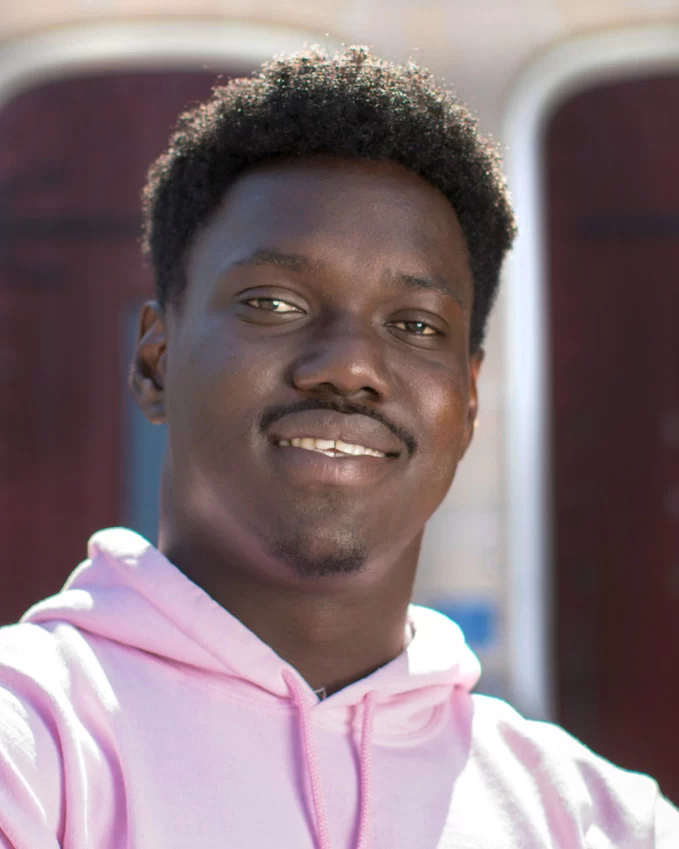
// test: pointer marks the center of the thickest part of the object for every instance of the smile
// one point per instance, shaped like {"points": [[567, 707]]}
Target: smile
{"points": [[335, 448]]}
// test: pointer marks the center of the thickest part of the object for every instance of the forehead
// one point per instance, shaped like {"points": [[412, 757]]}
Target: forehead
{"points": [[351, 215]]}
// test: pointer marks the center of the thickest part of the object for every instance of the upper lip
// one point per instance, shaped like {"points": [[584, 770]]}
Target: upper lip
{"points": [[355, 429]]}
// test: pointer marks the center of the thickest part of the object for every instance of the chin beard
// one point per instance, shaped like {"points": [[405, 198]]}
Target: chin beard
{"points": [[307, 561], [319, 539]]}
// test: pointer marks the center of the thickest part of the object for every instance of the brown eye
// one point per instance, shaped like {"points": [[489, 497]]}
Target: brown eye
{"points": [[272, 305], [418, 328]]}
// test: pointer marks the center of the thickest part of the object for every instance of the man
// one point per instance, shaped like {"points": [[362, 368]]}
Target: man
{"points": [[327, 240]]}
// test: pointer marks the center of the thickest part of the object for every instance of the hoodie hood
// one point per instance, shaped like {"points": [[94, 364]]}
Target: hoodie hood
{"points": [[128, 592]]}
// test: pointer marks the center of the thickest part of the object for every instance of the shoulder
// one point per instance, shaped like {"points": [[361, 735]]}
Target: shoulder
{"points": [[544, 747], [56, 720], [32, 651], [46, 658], [53, 663], [32, 697], [612, 806], [45, 670], [34, 684]]}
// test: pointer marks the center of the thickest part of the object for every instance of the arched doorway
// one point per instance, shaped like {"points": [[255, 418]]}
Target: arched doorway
{"points": [[83, 112], [545, 621], [73, 157], [612, 191]]}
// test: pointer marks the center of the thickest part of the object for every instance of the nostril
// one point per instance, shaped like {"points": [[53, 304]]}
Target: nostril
{"points": [[370, 390]]}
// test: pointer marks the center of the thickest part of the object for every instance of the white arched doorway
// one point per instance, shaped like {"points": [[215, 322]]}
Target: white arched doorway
{"points": [[563, 71]]}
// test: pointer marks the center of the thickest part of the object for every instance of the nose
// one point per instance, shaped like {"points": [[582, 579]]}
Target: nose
{"points": [[345, 357]]}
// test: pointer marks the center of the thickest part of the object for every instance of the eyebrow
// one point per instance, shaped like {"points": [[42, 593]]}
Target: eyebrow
{"points": [[293, 262], [299, 262], [432, 284]]}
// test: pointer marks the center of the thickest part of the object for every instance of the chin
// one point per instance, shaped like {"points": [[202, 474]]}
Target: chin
{"points": [[315, 558]]}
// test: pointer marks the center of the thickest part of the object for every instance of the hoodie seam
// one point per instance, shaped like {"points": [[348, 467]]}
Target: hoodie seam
{"points": [[181, 672], [191, 680]]}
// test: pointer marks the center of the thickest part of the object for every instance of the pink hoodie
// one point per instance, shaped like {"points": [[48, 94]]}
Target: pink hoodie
{"points": [[136, 713]]}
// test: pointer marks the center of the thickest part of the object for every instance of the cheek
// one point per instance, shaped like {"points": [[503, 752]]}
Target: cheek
{"points": [[215, 391], [443, 403]]}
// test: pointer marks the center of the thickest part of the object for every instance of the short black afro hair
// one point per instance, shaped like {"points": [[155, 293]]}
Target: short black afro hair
{"points": [[353, 105]]}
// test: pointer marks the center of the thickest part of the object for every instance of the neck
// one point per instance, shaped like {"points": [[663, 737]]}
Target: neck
{"points": [[332, 630]]}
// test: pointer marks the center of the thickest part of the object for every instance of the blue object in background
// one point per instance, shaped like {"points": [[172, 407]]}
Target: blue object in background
{"points": [[476, 617]]}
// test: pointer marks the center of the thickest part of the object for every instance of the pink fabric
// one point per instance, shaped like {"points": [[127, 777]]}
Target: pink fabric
{"points": [[137, 713], [310, 760], [365, 823]]}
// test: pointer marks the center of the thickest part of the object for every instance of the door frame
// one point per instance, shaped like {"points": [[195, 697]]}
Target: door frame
{"points": [[562, 72], [147, 44]]}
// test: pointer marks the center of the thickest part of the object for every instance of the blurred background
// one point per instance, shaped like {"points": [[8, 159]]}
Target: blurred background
{"points": [[557, 549]]}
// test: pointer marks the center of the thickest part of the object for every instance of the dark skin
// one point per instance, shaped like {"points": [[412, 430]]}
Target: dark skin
{"points": [[326, 298]]}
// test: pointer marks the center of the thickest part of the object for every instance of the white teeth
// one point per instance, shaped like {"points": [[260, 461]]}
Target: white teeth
{"points": [[348, 448], [330, 447]]}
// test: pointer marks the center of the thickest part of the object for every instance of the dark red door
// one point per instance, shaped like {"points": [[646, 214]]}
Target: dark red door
{"points": [[73, 157], [613, 201]]}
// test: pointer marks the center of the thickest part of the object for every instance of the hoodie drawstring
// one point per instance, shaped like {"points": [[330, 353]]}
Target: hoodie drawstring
{"points": [[311, 759], [365, 776]]}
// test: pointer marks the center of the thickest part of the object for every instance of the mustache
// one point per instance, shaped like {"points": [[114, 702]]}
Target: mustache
{"points": [[349, 408]]}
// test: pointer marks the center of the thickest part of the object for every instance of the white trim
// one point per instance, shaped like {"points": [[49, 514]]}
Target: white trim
{"points": [[562, 72], [142, 44]]}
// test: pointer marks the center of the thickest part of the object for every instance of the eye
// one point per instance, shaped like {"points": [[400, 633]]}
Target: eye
{"points": [[275, 305], [418, 328]]}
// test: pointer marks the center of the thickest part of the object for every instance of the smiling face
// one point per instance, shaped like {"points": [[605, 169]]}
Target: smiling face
{"points": [[317, 380]]}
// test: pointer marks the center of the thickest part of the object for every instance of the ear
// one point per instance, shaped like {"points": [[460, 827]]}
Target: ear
{"points": [[475, 363], [147, 372]]}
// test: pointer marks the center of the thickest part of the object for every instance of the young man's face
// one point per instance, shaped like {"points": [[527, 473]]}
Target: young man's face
{"points": [[328, 300]]}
